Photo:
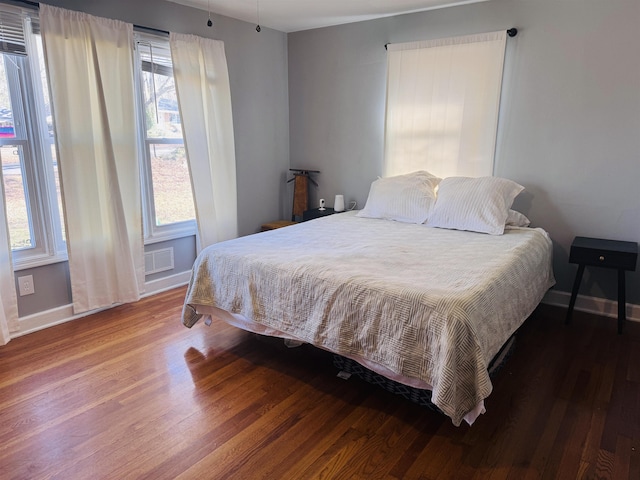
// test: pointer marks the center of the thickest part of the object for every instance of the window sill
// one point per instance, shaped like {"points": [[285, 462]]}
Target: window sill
{"points": [[174, 235], [45, 259], [39, 261]]}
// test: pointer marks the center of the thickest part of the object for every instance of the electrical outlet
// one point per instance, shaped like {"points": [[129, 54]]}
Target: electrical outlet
{"points": [[25, 285]]}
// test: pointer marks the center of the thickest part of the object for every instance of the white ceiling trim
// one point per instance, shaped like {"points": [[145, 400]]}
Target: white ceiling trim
{"points": [[295, 15]]}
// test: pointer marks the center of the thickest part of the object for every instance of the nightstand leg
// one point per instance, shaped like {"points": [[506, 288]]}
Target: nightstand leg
{"points": [[574, 293], [622, 302]]}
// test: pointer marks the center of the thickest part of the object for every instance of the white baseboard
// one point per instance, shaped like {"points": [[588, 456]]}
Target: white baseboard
{"points": [[64, 313], [595, 305], [166, 283]]}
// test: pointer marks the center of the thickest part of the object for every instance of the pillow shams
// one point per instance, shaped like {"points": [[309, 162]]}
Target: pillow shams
{"points": [[517, 219], [474, 204], [403, 198]]}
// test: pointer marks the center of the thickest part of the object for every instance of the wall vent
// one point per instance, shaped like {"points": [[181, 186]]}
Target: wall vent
{"points": [[158, 260]]}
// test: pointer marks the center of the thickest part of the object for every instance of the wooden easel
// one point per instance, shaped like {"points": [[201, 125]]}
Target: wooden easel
{"points": [[301, 179]]}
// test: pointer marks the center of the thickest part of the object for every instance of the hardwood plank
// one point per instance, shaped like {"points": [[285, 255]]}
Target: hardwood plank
{"points": [[131, 393], [413, 448], [623, 458], [605, 464], [273, 460]]}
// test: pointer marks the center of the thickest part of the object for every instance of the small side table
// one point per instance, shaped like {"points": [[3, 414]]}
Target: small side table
{"points": [[317, 213], [598, 252], [277, 224]]}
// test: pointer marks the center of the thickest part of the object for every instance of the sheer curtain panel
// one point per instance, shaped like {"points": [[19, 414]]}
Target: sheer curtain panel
{"points": [[90, 65], [8, 299], [443, 98], [204, 98]]}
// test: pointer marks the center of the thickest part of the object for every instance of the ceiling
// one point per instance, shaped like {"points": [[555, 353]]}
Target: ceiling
{"points": [[296, 15]]}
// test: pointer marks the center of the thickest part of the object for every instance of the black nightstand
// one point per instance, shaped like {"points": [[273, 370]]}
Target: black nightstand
{"points": [[598, 252], [317, 213]]}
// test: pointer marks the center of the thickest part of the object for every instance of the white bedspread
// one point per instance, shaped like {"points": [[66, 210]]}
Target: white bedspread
{"points": [[428, 304]]}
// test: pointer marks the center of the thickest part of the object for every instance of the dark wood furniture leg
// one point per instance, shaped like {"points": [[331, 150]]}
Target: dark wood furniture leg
{"points": [[574, 293], [622, 302]]}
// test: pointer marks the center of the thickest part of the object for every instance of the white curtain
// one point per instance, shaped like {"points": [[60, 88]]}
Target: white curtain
{"points": [[443, 98], [90, 66], [204, 99], [8, 299]]}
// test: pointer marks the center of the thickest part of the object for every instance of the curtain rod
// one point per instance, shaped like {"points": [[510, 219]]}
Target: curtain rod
{"points": [[512, 32], [151, 29], [36, 5]]}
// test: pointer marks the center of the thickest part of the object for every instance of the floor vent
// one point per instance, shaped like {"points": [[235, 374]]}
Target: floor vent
{"points": [[158, 261]]}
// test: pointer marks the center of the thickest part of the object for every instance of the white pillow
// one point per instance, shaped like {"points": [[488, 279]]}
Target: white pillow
{"points": [[517, 219], [475, 204], [403, 198]]}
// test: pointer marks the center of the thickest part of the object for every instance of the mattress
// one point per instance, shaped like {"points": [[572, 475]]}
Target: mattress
{"points": [[428, 306]]}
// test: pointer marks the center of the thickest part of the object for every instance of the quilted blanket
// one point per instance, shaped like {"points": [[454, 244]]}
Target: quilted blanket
{"points": [[427, 304]]}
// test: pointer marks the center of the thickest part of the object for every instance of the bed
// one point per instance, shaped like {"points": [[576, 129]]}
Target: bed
{"points": [[424, 306]]}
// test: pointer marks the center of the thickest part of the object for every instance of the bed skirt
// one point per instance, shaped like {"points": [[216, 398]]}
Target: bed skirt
{"points": [[419, 396]]}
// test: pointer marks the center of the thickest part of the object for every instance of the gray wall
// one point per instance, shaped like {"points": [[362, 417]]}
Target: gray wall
{"points": [[257, 65], [570, 118], [570, 113]]}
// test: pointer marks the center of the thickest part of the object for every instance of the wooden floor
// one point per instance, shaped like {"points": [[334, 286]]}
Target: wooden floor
{"points": [[131, 393]]}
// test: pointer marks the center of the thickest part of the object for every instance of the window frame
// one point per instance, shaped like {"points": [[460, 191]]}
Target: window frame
{"points": [[154, 233], [36, 162]]}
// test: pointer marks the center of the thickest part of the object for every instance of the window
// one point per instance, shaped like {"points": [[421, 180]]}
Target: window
{"points": [[169, 207], [27, 146]]}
